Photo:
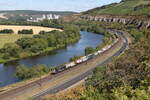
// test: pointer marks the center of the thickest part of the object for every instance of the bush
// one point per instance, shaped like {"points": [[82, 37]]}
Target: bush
{"points": [[24, 72], [32, 44], [25, 31], [11, 50], [7, 31], [89, 50], [75, 58]]}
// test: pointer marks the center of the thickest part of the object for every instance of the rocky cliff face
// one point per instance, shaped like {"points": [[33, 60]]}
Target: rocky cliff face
{"points": [[139, 22]]}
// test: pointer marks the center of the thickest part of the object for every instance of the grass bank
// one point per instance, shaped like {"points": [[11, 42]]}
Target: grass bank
{"points": [[9, 38], [48, 50]]}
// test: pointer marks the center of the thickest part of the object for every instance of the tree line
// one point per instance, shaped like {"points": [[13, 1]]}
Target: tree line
{"points": [[7, 31], [10, 31]]}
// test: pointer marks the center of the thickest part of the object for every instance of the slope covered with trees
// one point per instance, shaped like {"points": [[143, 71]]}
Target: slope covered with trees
{"points": [[126, 78]]}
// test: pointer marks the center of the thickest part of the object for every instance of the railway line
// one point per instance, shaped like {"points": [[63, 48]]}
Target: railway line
{"points": [[13, 94]]}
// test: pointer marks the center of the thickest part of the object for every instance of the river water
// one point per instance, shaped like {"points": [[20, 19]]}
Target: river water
{"points": [[88, 39]]}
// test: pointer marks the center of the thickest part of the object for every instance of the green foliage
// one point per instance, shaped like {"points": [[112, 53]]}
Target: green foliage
{"points": [[24, 72], [126, 7], [7, 31], [99, 28], [11, 50], [43, 42], [91, 94], [128, 93], [90, 26], [132, 68], [75, 58], [24, 31], [34, 45], [89, 50]]}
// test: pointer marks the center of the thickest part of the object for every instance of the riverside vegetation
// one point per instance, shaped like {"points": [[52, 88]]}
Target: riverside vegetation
{"points": [[22, 71], [44, 42]]}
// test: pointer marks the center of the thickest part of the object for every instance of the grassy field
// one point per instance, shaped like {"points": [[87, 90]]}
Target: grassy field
{"points": [[124, 8], [9, 38], [4, 38], [36, 29]]}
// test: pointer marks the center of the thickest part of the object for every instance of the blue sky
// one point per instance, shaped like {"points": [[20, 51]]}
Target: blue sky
{"points": [[53, 5]]}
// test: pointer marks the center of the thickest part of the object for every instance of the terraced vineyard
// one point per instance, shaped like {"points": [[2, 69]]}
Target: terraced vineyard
{"points": [[125, 7]]}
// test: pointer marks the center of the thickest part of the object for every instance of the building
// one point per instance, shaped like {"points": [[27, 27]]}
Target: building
{"points": [[37, 18]]}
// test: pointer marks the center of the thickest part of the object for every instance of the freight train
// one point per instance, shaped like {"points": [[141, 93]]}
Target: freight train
{"points": [[83, 59]]}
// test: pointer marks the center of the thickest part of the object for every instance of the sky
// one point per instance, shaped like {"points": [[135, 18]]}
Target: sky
{"points": [[53, 5]]}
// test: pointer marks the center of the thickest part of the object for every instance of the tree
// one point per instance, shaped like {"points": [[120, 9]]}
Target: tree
{"points": [[7, 31], [89, 50], [24, 31], [33, 44], [24, 72], [12, 49], [37, 45], [128, 93]]}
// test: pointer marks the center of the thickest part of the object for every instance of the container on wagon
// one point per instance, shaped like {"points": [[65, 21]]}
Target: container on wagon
{"points": [[99, 51], [71, 64], [96, 53], [84, 58]]}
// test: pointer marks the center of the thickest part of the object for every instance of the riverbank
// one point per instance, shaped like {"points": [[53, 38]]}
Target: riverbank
{"points": [[65, 76], [48, 50]]}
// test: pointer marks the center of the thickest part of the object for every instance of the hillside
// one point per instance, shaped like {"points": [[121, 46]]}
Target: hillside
{"points": [[23, 15], [33, 12], [125, 7]]}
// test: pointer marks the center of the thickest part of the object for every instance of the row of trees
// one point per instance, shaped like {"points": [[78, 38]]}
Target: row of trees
{"points": [[99, 28], [45, 23], [7, 31], [27, 46], [90, 26], [24, 31], [10, 31]]}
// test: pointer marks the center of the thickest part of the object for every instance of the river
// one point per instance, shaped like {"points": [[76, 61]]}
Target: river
{"points": [[88, 39]]}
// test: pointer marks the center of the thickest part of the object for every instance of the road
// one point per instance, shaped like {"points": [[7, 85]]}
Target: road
{"points": [[62, 80]]}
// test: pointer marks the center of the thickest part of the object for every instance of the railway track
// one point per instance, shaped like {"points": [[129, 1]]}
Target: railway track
{"points": [[14, 92]]}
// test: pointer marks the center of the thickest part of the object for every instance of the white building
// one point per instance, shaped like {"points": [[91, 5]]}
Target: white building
{"points": [[37, 18]]}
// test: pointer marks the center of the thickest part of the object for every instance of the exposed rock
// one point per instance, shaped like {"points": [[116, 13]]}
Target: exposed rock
{"points": [[119, 19]]}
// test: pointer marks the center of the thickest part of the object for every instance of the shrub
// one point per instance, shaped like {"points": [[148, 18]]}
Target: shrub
{"points": [[7, 31], [25, 31]]}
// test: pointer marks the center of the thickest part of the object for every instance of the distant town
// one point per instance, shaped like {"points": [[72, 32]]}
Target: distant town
{"points": [[31, 15], [37, 18]]}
